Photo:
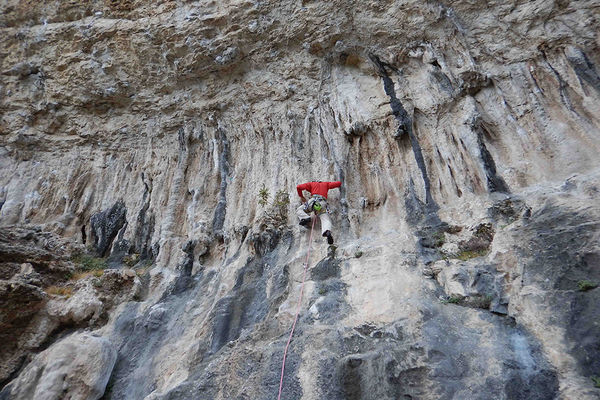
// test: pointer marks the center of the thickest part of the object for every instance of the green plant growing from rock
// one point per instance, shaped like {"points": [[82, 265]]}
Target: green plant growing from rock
{"points": [[263, 196], [276, 210], [480, 301], [452, 300], [86, 266], [477, 245], [86, 262], [585, 285], [464, 255], [596, 381]]}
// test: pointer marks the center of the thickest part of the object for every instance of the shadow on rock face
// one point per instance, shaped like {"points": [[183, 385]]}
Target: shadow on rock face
{"points": [[561, 252], [248, 303], [388, 371], [325, 269], [457, 353], [106, 225]]}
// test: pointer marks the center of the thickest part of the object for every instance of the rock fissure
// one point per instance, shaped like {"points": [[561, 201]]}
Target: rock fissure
{"points": [[145, 222], [495, 183]]}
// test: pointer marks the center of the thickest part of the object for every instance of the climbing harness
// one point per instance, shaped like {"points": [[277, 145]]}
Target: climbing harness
{"points": [[314, 205], [297, 309], [317, 206]]}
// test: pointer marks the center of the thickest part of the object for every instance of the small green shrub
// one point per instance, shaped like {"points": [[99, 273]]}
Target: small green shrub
{"points": [[358, 254], [263, 196], [480, 301], [322, 291], [452, 300], [596, 381], [86, 262], [277, 209], [586, 285]]}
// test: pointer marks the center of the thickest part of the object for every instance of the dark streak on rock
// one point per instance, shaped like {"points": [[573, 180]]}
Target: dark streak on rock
{"points": [[404, 126], [558, 250], [562, 86], [495, 183], [265, 242], [404, 122], [220, 209], [145, 223], [584, 69], [535, 82], [247, 303], [472, 82], [185, 266], [106, 225], [443, 80]]}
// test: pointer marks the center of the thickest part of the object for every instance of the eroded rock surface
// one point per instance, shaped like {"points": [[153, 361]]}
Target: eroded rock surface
{"points": [[466, 135], [40, 300], [77, 367]]}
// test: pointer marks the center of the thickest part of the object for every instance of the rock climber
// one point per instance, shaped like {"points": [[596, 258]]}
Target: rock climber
{"points": [[317, 204]]}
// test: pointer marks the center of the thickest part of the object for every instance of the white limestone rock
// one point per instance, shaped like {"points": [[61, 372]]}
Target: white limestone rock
{"points": [[76, 367]]}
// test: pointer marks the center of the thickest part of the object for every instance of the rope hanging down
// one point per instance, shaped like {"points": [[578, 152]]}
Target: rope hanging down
{"points": [[297, 309]]}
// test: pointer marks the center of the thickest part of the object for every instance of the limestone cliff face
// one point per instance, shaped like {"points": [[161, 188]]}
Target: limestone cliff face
{"points": [[466, 135]]}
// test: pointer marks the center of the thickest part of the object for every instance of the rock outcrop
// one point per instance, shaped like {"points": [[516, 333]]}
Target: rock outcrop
{"points": [[77, 367], [465, 134], [45, 295]]}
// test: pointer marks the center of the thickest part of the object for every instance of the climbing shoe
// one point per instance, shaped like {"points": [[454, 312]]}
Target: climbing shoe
{"points": [[329, 237], [305, 221]]}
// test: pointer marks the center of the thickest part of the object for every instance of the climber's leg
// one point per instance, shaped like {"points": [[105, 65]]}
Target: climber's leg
{"points": [[302, 215], [326, 224]]}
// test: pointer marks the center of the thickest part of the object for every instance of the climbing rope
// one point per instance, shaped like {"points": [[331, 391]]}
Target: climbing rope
{"points": [[297, 309]]}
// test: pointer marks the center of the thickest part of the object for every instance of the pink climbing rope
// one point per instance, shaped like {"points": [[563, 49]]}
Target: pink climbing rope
{"points": [[297, 309]]}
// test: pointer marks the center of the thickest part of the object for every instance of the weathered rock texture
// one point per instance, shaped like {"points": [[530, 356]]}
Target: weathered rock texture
{"points": [[32, 315], [79, 365], [466, 135]]}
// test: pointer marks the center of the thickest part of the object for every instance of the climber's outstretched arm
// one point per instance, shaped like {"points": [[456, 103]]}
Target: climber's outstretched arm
{"points": [[300, 188]]}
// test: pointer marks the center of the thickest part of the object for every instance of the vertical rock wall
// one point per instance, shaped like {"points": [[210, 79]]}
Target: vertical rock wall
{"points": [[466, 137]]}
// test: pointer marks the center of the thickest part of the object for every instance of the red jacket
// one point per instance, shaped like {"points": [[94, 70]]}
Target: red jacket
{"points": [[319, 188]]}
